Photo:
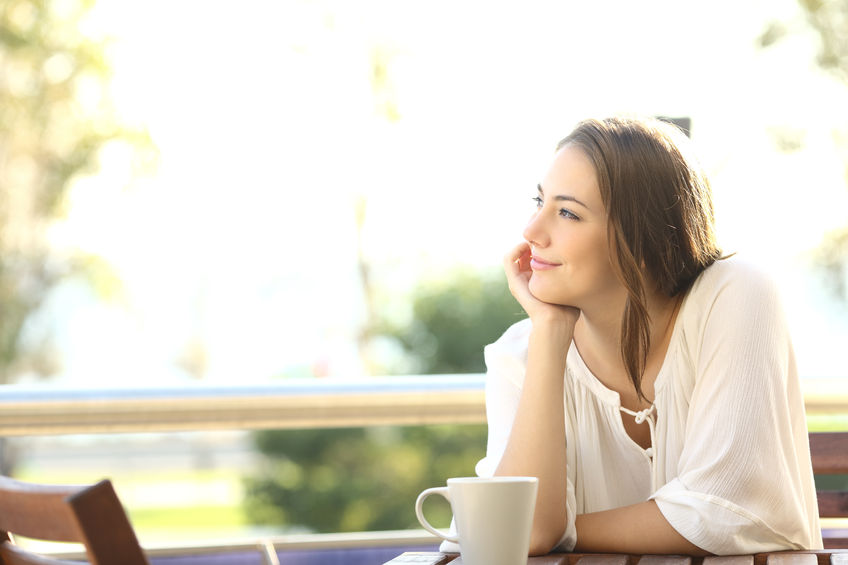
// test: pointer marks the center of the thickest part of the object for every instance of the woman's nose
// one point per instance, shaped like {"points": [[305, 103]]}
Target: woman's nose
{"points": [[536, 232]]}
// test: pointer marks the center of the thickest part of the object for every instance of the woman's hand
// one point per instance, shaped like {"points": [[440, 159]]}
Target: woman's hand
{"points": [[536, 444], [518, 273]]}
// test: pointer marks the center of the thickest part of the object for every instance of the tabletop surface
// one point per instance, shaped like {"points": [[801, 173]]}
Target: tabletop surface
{"points": [[807, 557]]}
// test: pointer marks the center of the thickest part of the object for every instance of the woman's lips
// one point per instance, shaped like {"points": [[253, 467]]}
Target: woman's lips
{"points": [[538, 264]]}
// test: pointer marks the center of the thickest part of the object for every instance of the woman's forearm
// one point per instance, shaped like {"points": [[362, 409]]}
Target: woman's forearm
{"points": [[536, 445], [636, 529]]}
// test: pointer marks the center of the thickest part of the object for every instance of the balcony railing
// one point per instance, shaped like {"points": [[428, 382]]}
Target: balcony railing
{"points": [[308, 403]]}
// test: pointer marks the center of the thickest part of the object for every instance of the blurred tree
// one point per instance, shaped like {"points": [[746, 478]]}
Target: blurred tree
{"points": [[367, 479], [359, 479], [829, 20], [453, 319], [55, 117], [386, 115], [832, 258]]}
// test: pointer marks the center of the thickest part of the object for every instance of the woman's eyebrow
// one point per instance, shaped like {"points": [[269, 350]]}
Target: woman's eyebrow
{"points": [[562, 197]]}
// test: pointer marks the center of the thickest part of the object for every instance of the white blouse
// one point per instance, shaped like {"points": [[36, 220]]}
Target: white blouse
{"points": [[729, 465]]}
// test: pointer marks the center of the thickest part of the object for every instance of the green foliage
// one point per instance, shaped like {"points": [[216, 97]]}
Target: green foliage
{"points": [[454, 319], [361, 479]]}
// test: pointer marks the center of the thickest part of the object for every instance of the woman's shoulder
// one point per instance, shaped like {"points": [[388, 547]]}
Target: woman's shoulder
{"points": [[730, 292], [733, 277]]}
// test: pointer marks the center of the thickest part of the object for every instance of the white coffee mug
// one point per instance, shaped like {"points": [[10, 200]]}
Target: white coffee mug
{"points": [[493, 517]]}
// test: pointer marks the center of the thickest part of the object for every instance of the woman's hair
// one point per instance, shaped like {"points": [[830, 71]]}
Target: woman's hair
{"points": [[660, 216]]}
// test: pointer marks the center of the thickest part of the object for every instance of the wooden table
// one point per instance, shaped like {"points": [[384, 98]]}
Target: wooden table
{"points": [[810, 557]]}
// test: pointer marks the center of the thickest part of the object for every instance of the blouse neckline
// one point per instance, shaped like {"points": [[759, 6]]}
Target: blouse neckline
{"points": [[611, 397]]}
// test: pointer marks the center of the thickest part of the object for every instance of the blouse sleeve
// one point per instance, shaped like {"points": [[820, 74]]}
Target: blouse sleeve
{"points": [[744, 478], [506, 360]]}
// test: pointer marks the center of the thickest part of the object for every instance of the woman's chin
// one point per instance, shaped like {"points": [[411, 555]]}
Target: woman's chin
{"points": [[545, 293], [539, 292]]}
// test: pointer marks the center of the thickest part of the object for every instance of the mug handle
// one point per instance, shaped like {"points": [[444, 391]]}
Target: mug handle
{"points": [[419, 512]]}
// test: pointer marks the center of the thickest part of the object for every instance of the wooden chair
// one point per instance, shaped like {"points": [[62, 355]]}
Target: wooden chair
{"points": [[88, 515], [829, 451]]}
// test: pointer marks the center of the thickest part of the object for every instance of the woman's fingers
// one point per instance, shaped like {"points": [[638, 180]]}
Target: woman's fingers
{"points": [[524, 261], [518, 258], [517, 268]]}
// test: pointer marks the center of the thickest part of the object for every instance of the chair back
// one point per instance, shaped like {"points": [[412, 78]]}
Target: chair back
{"points": [[90, 515], [829, 452]]}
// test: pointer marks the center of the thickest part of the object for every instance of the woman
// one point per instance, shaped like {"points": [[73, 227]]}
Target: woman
{"points": [[653, 389]]}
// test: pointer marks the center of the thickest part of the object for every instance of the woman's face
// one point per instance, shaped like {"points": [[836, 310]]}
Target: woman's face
{"points": [[568, 236]]}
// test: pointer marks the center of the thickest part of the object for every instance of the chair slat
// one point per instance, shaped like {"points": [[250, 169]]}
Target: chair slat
{"points": [[665, 560], [12, 555], [551, 559], [829, 452], [99, 510], [38, 514], [839, 559], [730, 560], [832, 503], [422, 558], [791, 558], [606, 559], [835, 538]]}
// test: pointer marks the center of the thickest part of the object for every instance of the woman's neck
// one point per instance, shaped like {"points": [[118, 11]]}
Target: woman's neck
{"points": [[597, 336]]}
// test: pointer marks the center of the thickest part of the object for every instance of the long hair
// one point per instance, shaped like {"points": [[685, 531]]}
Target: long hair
{"points": [[660, 216]]}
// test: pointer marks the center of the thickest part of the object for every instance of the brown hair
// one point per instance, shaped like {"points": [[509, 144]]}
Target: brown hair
{"points": [[660, 216]]}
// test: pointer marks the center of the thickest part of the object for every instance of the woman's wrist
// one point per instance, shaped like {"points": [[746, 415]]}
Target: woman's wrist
{"points": [[557, 325], [549, 343]]}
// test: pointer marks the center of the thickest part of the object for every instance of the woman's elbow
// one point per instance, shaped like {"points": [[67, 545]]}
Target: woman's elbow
{"points": [[543, 541], [539, 549]]}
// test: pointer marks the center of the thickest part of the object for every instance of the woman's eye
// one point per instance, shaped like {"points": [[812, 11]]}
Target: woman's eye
{"points": [[565, 213], [538, 200]]}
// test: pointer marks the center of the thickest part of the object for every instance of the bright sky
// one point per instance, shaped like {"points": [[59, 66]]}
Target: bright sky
{"points": [[264, 116]]}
